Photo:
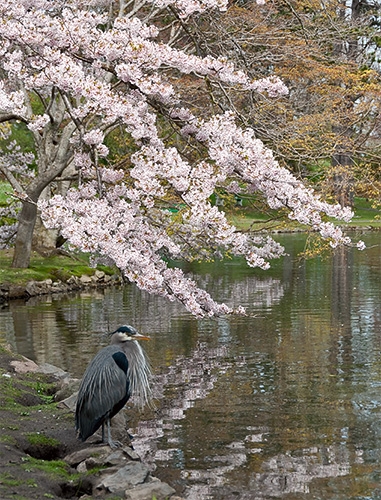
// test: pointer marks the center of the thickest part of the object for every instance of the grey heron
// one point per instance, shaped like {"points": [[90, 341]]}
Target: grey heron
{"points": [[115, 373]]}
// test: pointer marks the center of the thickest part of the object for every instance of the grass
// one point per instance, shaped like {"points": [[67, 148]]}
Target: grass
{"points": [[57, 267], [30, 385], [365, 214], [7, 479], [54, 468], [7, 439], [5, 191], [36, 438]]}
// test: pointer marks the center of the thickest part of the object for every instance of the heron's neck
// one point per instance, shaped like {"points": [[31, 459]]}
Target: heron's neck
{"points": [[139, 372]]}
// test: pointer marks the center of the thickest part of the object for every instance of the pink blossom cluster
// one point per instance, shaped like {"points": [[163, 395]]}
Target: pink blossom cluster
{"points": [[11, 102], [272, 85], [70, 52], [38, 122]]}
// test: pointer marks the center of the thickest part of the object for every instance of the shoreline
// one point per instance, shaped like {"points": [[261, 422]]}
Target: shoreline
{"points": [[33, 288]]}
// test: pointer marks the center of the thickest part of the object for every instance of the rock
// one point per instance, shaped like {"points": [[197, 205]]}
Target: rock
{"points": [[122, 454], [68, 386], [35, 288], [116, 457], [25, 366], [85, 280], [81, 455], [127, 477], [152, 489], [49, 369], [131, 453], [82, 468], [73, 280], [69, 402], [17, 292]]}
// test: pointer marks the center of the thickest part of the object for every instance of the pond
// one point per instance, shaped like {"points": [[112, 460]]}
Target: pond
{"points": [[283, 403]]}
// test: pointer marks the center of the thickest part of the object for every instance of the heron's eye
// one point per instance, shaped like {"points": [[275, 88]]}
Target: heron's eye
{"points": [[129, 330]]}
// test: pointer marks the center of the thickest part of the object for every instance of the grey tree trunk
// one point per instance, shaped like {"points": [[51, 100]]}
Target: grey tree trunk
{"points": [[31, 232], [23, 243], [54, 155]]}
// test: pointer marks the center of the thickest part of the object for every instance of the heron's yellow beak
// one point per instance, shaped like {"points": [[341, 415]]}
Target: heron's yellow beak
{"points": [[139, 336]]}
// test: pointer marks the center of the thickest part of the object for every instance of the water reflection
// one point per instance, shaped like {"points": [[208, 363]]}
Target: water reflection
{"points": [[284, 403]]}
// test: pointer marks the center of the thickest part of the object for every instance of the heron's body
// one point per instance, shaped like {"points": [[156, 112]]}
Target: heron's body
{"points": [[115, 373]]}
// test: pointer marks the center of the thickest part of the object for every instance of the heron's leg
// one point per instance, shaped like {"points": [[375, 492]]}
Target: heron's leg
{"points": [[111, 443], [103, 432]]}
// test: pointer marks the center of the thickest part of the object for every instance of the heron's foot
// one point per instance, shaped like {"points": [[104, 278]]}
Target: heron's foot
{"points": [[114, 444]]}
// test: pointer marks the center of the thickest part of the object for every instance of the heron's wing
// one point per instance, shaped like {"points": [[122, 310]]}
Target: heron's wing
{"points": [[104, 390]]}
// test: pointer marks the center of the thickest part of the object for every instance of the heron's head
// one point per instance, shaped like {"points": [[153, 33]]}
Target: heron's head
{"points": [[125, 333]]}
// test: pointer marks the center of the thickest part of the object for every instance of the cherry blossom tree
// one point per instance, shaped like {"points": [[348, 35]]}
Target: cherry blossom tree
{"points": [[73, 72]]}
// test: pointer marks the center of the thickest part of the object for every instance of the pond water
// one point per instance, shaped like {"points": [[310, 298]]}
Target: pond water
{"points": [[283, 403]]}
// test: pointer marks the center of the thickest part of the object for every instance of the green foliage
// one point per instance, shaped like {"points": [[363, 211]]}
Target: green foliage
{"points": [[45, 391], [366, 213], [29, 391]]}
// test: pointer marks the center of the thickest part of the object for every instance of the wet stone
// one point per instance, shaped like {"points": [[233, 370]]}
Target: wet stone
{"points": [[130, 475], [80, 456], [152, 489]]}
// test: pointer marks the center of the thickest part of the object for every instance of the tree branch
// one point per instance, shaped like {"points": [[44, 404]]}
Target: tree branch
{"points": [[7, 117]]}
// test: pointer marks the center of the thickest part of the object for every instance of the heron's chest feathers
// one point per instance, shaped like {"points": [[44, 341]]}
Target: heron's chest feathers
{"points": [[121, 360]]}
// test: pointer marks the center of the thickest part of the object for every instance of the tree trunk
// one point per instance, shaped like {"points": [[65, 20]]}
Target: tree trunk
{"points": [[23, 243], [31, 232], [44, 240]]}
